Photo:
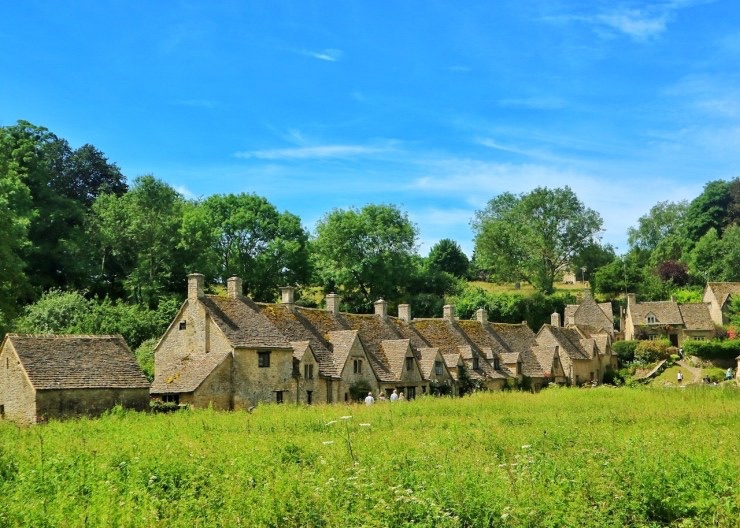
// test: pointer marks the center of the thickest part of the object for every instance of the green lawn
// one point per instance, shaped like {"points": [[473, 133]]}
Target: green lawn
{"points": [[563, 457]]}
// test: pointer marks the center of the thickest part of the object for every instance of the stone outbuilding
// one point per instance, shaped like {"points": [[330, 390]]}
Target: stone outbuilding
{"points": [[46, 377]]}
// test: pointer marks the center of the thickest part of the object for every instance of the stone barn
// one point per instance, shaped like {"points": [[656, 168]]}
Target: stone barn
{"points": [[46, 376]]}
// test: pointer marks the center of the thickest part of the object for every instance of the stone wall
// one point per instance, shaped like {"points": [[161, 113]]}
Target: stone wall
{"points": [[349, 377], [215, 391], [253, 383], [17, 396], [62, 403]]}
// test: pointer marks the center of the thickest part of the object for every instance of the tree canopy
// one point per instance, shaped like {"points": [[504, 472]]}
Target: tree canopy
{"points": [[533, 236]]}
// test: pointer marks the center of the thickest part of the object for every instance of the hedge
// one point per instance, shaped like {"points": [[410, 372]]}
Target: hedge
{"points": [[715, 349]]}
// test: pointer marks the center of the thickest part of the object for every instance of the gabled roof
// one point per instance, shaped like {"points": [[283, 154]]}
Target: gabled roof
{"points": [[518, 337], [569, 340], [186, 374], [242, 323], [427, 357], [342, 341], [722, 290], [77, 362], [696, 316], [440, 333], [590, 312], [395, 355], [666, 312]]}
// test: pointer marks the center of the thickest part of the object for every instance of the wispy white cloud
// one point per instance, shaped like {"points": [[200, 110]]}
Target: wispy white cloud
{"points": [[312, 152], [329, 55], [185, 192]]}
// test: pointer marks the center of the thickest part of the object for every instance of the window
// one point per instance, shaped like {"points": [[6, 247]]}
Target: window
{"points": [[171, 398], [263, 359], [438, 368], [475, 364], [518, 367], [410, 393], [183, 325], [2, 411], [309, 397], [308, 372], [278, 396], [652, 337], [651, 319], [409, 363], [357, 366], [496, 363], [695, 338]]}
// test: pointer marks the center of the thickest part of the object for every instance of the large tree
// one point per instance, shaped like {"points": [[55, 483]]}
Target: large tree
{"points": [[533, 236], [365, 254], [245, 235], [447, 255]]}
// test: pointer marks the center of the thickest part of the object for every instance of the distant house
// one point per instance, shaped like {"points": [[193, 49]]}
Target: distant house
{"points": [[719, 295], [46, 377], [590, 313], [669, 320], [223, 352]]}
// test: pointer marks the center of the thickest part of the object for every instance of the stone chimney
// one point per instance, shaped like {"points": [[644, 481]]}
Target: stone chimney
{"points": [[381, 308], [555, 319], [481, 315], [234, 287], [631, 299], [195, 286], [287, 296], [448, 312], [404, 312], [586, 294], [332, 303]]}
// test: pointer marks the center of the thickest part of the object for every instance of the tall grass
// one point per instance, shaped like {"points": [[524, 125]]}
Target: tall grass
{"points": [[566, 457]]}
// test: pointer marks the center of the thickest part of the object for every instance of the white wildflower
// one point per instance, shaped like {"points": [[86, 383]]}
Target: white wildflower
{"points": [[526, 446], [345, 417], [332, 422], [364, 425], [328, 442]]}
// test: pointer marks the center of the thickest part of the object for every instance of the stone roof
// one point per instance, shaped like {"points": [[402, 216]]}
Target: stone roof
{"points": [[427, 357], [77, 362], [570, 341], [696, 316], [242, 322], [545, 358], [300, 348], [518, 337], [395, 355], [451, 362], [665, 312], [590, 312], [187, 374], [484, 337], [440, 333], [722, 290], [341, 341]]}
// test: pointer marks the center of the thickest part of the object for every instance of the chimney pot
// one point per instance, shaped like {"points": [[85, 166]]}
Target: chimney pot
{"points": [[481, 315], [195, 286], [332, 303], [404, 312], [381, 308], [448, 312], [555, 319], [234, 287], [287, 295]]}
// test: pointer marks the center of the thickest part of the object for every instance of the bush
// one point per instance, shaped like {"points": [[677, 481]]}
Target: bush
{"points": [[715, 349], [625, 351], [651, 351]]}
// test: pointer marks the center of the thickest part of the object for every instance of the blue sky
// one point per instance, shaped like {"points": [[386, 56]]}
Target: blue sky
{"points": [[433, 106]]}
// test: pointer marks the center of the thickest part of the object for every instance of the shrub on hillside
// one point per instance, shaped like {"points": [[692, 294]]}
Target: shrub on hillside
{"points": [[650, 351], [625, 351], [714, 349]]}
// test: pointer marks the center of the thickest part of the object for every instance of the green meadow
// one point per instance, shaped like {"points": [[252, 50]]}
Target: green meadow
{"points": [[563, 457]]}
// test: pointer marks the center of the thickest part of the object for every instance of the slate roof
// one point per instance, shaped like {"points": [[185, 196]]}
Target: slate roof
{"points": [[696, 316], [722, 290], [242, 323], [78, 362], [666, 312], [187, 374]]}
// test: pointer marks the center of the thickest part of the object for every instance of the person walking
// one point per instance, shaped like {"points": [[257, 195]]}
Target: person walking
{"points": [[679, 377], [369, 400], [394, 395]]}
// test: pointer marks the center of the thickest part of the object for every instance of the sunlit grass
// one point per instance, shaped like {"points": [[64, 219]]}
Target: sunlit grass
{"points": [[565, 457]]}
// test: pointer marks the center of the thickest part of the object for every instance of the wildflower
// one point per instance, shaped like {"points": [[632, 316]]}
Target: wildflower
{"points": [[364, 425], [345, 417], [526, 446], [332, 422], [327, 442]]}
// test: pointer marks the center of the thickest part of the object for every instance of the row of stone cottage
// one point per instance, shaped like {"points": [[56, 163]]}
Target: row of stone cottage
{"points": [[232, 353]]}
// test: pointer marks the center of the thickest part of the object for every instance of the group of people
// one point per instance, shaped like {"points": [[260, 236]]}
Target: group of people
{"points": [[395, 396], [728, 376]]}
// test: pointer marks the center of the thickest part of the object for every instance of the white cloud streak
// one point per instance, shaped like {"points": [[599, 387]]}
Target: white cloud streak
{"points": [[314, 152], [328, 55]]}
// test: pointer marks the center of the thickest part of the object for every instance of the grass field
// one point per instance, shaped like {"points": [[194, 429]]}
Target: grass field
{"points": [[563, 457]]}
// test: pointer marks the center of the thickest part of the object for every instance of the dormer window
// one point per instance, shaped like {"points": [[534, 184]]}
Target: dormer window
{"points": [[475, 364], [496, 363], [409, 363], [651, 319]]}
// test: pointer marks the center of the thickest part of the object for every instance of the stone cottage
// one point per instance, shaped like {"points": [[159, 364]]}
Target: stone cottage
{"points": [[719, 295], [590, 313], [46, 377], [667, 319], [223, 352]]}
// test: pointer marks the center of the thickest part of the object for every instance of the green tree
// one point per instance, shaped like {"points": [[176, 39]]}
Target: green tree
{"points": [[365, 254], [245, 235], [136, 239], [447, 255], [713, 208], [622, 275], [663, 220], [533, 236]]}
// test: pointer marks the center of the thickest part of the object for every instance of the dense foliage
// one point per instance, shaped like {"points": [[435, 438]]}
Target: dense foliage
{"points": [[714, 349], [646, 458]]}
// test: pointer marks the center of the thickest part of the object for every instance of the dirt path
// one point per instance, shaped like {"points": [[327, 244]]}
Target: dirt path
{"points": [[695, 372]]}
